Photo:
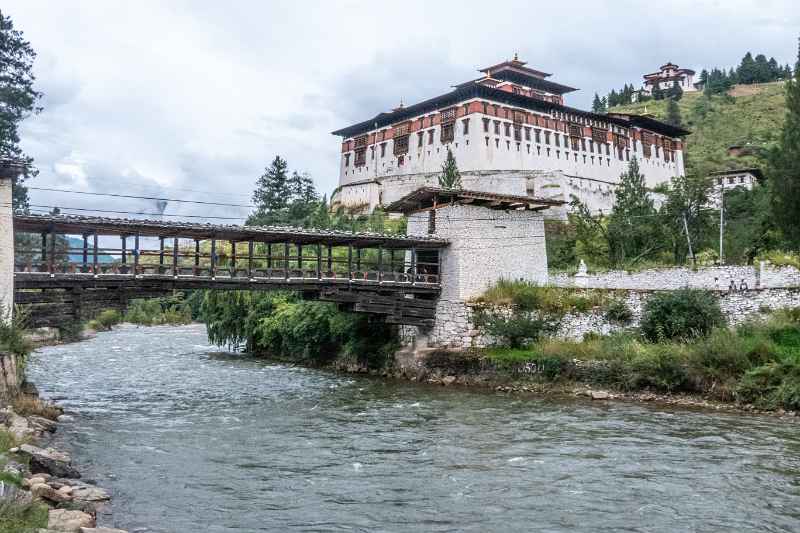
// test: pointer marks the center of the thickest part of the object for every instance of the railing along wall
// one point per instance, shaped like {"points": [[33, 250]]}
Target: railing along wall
{"points": [[87, 247]]}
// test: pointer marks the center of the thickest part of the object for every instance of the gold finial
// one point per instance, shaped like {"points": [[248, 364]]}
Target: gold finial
{"points": [[488, 73]]}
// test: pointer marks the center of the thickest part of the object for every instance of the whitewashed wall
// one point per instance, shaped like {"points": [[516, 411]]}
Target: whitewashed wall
{"points": [[6, 249]]}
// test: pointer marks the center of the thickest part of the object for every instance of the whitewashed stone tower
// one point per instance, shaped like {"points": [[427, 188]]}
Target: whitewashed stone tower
{"points": [[8, 171], [491, 236]]}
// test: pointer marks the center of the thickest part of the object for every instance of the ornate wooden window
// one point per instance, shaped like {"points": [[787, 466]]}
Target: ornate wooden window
{"points": [[519, 117], [465, 123], [347, 160], [401, 129], [517, 132], [599, 135], [448, 132], [361, 141], [361, 156], [486, 125], [527, 133], [420, 134], [537, 135], [575, 130], [508, 129], [448, 115], [401, 145]]}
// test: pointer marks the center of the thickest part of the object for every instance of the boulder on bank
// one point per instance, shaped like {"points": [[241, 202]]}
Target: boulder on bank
{"points": [[49, 461], [69, 521]]}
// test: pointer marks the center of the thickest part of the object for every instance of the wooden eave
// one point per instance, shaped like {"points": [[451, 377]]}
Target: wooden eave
{"points": [[429, 198], [79, 225]]}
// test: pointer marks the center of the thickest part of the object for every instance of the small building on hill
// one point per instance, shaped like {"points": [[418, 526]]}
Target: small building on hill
{"points": [[666, 76], [726, 180]]}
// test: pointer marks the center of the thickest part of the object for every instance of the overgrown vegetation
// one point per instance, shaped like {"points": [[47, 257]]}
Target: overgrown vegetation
{"points": [[173, 310], [105, 320], [26, 405], [683, 344], [12, 338], [283, 325], [22, 517]]}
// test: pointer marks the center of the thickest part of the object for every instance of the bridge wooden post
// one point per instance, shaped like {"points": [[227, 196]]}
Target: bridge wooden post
{"points": [[94, 253], [51, 266], [44, 249], [250, 259], [269, 255], [300, 257], [380, 264], [175, 257], [413, 265], [197, 257], [358, 259], [350, 262], [124, 239], [135, 254], [286, 260], [161, 255], [85, 265], [319, 261], [213, 258], [330, 258], [233, 259]]}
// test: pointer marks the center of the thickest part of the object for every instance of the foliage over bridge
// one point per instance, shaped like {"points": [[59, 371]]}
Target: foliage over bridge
{"points": [[68, 267]]}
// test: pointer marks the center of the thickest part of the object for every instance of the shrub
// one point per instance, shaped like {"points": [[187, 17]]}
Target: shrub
{"points": [[16, 517], [772, 386], [618, 311], [108, 318], [657, 367], [516, 328], [682, 314], [12, 338]]}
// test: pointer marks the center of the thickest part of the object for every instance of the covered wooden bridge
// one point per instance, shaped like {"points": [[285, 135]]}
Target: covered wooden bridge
{"points": [[68, 266]]}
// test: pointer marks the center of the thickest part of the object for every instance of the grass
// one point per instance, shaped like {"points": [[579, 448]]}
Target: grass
{"points": [[528, 296], [31, 406], [780, 258], [757, 362], [12, 338], [22, 518], [154, 312], [7, 440], [721, 121]]}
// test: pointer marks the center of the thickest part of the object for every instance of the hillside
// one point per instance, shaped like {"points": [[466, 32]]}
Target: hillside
{"points": [[749, 115]]}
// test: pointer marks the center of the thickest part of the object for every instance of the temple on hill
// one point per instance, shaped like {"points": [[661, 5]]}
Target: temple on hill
{"points": [[511, 132], [668, 75]]}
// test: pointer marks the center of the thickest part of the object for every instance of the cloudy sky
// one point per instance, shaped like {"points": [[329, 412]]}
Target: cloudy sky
{"points": [[191, 99]]}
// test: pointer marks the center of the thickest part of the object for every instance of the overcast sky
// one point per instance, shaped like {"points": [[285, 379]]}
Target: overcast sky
{"points": [[191, 99]]}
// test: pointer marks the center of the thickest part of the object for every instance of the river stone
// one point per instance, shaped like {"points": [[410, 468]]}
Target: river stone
{"points": [[69, 521], [14, 468], [49, 461], [41, 490], [88, 493], [101, 530], [17, 425], [600, 395], [448, 380], [42, 423]]}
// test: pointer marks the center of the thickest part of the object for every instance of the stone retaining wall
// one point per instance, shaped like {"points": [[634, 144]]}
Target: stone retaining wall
{"points": [[762, 276], [454, 326]]}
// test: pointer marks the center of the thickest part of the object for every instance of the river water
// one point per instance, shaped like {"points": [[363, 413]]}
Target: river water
{"points": [[189, 439]]}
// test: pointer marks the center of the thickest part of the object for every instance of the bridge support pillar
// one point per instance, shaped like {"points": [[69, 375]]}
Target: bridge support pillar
{"points": [[486, 244], [9, 170]]}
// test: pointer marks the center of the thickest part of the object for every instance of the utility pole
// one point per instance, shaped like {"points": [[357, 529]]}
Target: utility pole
{"points": [[689, 241], [721, 222]]}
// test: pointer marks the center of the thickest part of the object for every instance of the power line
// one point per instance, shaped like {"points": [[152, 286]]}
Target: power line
{"points": [[140, 197], [131, 212]]}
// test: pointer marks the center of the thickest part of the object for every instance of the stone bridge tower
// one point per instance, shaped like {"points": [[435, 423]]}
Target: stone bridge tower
{"points": [[9, 170], [491, 236]]}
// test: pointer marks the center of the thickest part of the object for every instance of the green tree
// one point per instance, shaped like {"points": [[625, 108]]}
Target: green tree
{"points": [[450, 177], [673, 113], [657, 93], [675, 92], [686, 199], [633, 231], [272, 194], [597, 104], [18, 100], [784, 168]]}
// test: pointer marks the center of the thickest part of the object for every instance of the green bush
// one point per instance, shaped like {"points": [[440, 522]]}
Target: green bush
{"points": [[157, 311], [772, 386], [22, 517], [682, 314], [108, 318], [516, 328], [12, 334], [618, 311]]}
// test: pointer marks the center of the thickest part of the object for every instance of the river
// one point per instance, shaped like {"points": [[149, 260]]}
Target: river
{"points": [[190, 439]]}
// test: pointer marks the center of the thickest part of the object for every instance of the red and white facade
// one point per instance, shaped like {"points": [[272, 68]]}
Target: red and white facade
{"points": [[511, 133]]}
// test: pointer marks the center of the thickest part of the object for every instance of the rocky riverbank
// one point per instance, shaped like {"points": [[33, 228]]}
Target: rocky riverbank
{"points": [[34, 472]]}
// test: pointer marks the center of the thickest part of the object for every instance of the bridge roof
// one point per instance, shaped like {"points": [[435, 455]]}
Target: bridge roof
{"points": [[426, 198], [78, 225]]}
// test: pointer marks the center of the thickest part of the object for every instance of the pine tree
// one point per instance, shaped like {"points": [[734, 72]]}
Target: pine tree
{"points": [[18, 100], [675, 92], [596, 104], [272, 194], [633, 231], [613, 98], [657, 93], [450, 177], [673, 113], [784, 170]]}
